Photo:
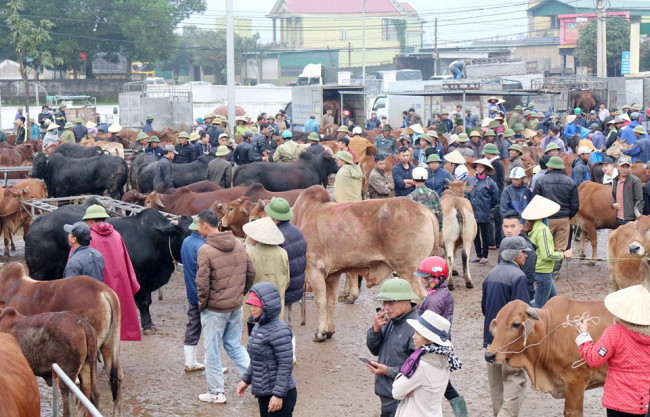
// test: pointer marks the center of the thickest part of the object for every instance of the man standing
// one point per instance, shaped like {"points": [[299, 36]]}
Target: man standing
{"points": [[328, 118], [185, 151], [349, 179], [386, 144], [311, 125], [514, 225], [224, 274], [556, 186], [148, 124], [244, 151], [515, 117], [260, 144], [359, 144], [21, 132], [60, 117], [219, 169], [79, 130], [581, 171], [154, 147], [83, 259], [379, 186], [424, 195], [162, 179], [118, 270], [504, 283], [289, 150], [373, 122], [403, 174], [189, 250], [439, 177], [640, 152], [627, 193], [390, 338]]}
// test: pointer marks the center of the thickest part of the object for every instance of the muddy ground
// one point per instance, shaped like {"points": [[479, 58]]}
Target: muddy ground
{"points": [[331, 380]]}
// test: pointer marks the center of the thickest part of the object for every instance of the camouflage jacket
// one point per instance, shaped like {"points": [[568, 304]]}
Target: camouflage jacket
{"points": [[385, 146], [430, 199]]}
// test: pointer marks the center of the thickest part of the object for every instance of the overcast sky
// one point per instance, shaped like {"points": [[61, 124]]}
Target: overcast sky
{"points": [[464, 21]]}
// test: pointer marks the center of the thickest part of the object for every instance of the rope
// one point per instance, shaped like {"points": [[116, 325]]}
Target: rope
{"points": [[169, 241]]}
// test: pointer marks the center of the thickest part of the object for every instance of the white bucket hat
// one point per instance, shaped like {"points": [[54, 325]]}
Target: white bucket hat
{"points": [[540, 208], [455, 157], [631, 304], [264, 231], [432, 327]]}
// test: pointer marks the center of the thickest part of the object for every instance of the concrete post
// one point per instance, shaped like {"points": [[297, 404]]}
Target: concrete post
{"points": [[635, 42]]}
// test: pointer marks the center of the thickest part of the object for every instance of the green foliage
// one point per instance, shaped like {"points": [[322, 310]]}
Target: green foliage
{"points": [[644, 60], [400, 28], [618, 40]]}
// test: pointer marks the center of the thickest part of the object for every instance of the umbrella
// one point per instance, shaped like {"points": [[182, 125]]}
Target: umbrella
{"points": [[223, 111]]}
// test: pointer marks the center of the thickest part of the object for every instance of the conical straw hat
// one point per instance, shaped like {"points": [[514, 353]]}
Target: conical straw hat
{"points": [[455, 157], [631, 304], [264, 230], [540, 208]]}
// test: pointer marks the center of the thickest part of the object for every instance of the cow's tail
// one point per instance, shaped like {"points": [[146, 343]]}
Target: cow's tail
{"points": [[113, 338]]}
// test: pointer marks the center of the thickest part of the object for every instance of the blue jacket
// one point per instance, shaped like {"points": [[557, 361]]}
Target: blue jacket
{"points": [[311, 126], [483, 197], [189, 250], [598, 139], [296, 247], [640, 152], [628, 133], [147, 127], [157, 151], [437, 180], [570, 130], [580, 171], [269, 348], [36, 134], [85, 261], [515, 198], [372, 124], [504, 283], [399, 175]]}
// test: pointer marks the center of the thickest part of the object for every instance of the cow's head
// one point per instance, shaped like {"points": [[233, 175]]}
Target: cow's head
{"points": [[153, 201], [457, 188], [235, 212], [616, 150], [175, 233], [511, 329], [641, 240], [134, 197], [39, 167], [257, 211]]}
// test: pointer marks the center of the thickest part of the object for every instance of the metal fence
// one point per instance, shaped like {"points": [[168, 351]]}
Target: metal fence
{"points": [[57, 376]]}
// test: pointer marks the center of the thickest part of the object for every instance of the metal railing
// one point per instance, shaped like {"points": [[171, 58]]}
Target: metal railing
{"points": [[57, 376], [4, 171]]}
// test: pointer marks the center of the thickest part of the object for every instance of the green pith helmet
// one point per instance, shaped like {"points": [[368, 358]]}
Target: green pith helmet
{"points": [[555, 163], [154, 139], [517, 148], [396, 289], [475, 133], [141, 136], [279, 209], [313, 136], [490, 148], [149, 116], [95, 212], [462, 138], [551, 146], [183, 135], [344, 156], [78, 120], [68, 125], [518, 107], [434, 157], [489, 132], [386, 127], [508, 133], [518, 127], [494, 124], [425, 137]]}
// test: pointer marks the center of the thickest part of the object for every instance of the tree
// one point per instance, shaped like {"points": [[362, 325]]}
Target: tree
{"points": [[28, 40], [644, 59], [618, 39]]}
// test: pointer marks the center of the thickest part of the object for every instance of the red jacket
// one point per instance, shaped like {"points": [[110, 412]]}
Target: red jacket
{"points": [[628, 377]]}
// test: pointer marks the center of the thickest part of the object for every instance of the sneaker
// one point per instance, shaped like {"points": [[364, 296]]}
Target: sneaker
{"points": [[483, 261], [208, 397]]}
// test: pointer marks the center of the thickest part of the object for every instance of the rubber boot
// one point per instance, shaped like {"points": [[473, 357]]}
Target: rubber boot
{"points": [[459, 406], [293, 347], [191, 363]]}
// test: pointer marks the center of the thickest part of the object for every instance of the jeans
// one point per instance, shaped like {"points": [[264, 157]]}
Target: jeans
{"points": [[544, 288], [223, 328], [481, 240], [288, 404], [455, 72], [390, 409], [450, 392]]}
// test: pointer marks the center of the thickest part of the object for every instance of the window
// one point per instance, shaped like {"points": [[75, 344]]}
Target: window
{"points": [[388, 31], [344, 35], [555, 22]]}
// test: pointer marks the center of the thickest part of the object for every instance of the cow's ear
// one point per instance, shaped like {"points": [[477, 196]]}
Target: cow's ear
{"points": [[165, 230], [532, 313], [493, 327], [261, 203]]}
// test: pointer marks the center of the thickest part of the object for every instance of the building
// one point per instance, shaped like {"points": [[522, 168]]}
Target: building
{"points": [[241, 27], [392, 27]]}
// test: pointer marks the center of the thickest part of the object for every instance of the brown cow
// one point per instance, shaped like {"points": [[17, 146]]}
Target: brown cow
{"points": [[95, 302], [12, 214], [184, 201], [135, 197], [595, 213], [63, 338], [459, 229], [26, 149], [375, 236], [627, 254], [541, 341], [19, 396], [237, 213]]}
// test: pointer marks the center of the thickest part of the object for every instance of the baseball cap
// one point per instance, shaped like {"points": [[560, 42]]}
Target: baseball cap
{"points": [[80, 230]]}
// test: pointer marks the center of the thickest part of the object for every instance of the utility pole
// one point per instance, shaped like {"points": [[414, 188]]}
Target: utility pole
{"points": [[436, 60], [601, 40], [230, 61], [363, 45]]}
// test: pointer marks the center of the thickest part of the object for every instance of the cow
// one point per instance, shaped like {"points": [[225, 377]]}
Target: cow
{"points": [[112, 148], [182, 174], [617, 148], [19, 395], [595, 213], [97, 304], [134, 197], [25, 149], [140, 161], [73, 150], [627, 254], [308, 170], [65, 176], [184, 201], [63, 338], [541, 341], [373, 236], [152, 241], [459, 229], [12, 215], [237, 213]]}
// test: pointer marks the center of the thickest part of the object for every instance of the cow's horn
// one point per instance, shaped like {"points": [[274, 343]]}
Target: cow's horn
{"points": [[532, 313], [174, 223]]}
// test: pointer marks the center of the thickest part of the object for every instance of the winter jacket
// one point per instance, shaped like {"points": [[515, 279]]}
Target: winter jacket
{"points": [[85, 261], [372, 124], [80, 132], [163, 173], [21, 135], [147, 127], [287, 152], [311, 126], [477, 148], [570, 130], [632, 196], [546, 255], [529, 265], [627, 354], [157, 151], [499, 173], [393, 344], [399, 175], [34, 132], [385, 146], [580, 171], [598, 139], [348, 183], [224, 274], [189, 253], [421, 395], [515, 198], [628, 133], [214, 133], [504, 283], [358, 146], [379, 185], [186, 154], [483, 197], [646, 199], [271, 265], [296, 247], [220, 172], [640, 152], [440, 302], [260, 145], [504, 152], [60, 118], [438, 180], [42, 117], [66, 137], [243, 153], [269, 348], [556, 186], [315, 148]]}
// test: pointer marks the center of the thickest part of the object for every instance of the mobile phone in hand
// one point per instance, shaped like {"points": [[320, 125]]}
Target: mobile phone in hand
{"points": [[365, 360], [378, 309]]}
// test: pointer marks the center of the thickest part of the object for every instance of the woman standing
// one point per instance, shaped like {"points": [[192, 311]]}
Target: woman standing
{"points": [[424, 376], [269, 347], [484, 197], [625, 347]]}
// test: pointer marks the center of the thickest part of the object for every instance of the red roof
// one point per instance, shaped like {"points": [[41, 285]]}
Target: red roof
{"points": [[383, 7]]}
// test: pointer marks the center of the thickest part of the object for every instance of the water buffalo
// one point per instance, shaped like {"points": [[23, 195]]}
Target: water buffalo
{"points": [[65, 176], [308, 170], [182, 174], [153, 244], [73, 150]]}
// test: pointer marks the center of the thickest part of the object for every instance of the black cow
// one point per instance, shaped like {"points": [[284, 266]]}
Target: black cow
{"points": [[73, 150], [153, 243], [65, 176], [141, 160], [182, 174], [308, 170]]}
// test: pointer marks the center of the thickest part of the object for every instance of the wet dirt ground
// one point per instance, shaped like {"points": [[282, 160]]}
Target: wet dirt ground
{"points": [[331, 381]]}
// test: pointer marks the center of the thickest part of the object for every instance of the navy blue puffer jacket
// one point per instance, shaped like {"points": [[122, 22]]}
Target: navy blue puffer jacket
{"points": [[296, 247], [269, 347]]}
